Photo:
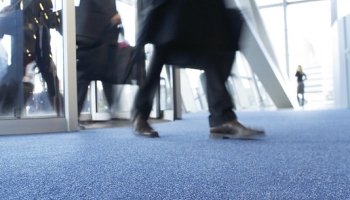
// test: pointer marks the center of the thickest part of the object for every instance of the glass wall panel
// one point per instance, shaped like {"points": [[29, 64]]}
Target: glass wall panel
{"points": [[267, 2], [309, 33], [343, 8], [197, 84], [309, 39], [241, 85], [31, 48], [274, 22], [128, 13]]}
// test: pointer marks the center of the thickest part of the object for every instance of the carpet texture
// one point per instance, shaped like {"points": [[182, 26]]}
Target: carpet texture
{"points": [[305, 155]]}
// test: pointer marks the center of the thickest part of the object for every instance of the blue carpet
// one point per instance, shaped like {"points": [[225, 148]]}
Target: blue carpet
{"points": [[305, 155]]}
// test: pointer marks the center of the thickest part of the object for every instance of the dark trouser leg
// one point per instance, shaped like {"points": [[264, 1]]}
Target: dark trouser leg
{"points": [[108, 90], [44, 65], [217, 70], [82, 87], [144, 98], [8, 95], [52, 82], [299, 101], [27, 91]]}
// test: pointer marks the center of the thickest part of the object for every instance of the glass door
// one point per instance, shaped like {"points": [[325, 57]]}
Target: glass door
{"points": [[34, 59], [31, 59], [97, 107]]}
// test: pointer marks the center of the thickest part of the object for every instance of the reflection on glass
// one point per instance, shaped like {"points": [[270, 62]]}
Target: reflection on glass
{"points": [[31, 70]]}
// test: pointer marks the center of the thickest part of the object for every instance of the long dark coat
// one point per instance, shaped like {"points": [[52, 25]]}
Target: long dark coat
{"points": [[187, 30], [96, 39], [190, 25], [93, 17]]}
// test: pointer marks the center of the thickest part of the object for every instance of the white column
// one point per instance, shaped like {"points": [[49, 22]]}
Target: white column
{"points": [[69, 48], [341, 62]]}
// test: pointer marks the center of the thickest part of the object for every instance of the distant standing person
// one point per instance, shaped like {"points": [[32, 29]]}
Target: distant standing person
{"points": [[300, 89]]}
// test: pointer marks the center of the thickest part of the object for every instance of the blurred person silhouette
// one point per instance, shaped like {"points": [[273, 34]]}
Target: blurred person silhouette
{"points": [[10, 77], [301, 77], [36, 51], [94, 19], [197, 34], [44, 62]]}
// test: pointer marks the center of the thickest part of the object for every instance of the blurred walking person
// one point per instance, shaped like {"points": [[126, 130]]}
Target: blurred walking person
{"points": [[95, 20], [200, 34]]}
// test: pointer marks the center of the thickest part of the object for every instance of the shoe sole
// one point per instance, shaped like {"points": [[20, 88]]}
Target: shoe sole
{"points": [[237, 137], [146, 136]]}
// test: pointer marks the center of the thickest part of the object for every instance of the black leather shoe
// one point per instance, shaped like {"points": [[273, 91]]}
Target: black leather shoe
{"points": [[234, 130], [142, 128]]}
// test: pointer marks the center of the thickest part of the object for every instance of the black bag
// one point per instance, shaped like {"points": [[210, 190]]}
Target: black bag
{"points": [[104, 60]]}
